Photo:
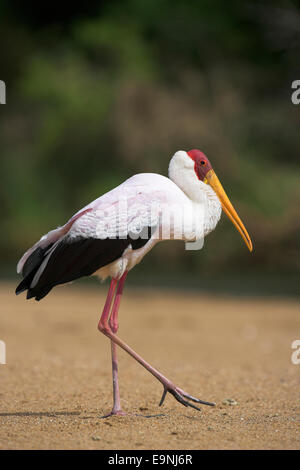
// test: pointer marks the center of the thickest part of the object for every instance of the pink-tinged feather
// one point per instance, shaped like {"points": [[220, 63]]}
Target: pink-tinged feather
{"points": [[51, 237]]}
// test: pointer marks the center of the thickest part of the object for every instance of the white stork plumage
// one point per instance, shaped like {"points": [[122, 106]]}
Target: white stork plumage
{"points": [[109, 236]]}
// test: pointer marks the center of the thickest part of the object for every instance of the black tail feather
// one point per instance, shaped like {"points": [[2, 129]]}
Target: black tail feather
{"points": [[30, 268], [38, 295], [24, 285]]}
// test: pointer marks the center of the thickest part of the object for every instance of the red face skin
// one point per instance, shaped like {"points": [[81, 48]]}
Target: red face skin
{"points": [[202, 164]]}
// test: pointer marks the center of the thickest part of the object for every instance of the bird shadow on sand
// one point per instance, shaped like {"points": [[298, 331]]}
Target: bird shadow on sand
{"points": [[57, 414], [48, 414]]}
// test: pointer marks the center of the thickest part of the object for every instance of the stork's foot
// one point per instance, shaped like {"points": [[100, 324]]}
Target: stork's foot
{"points": [[115, 413], [183, 397]]}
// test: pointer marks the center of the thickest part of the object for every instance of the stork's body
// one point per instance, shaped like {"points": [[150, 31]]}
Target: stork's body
{"points": [[112, 234]]}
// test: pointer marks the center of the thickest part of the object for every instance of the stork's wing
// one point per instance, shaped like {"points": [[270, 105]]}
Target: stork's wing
{"points": [[34, 255], [97, 237]]}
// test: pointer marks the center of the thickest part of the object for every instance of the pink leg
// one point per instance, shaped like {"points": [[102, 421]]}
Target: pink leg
{"points": [[106, 327], [105, 316], [113, 323]]}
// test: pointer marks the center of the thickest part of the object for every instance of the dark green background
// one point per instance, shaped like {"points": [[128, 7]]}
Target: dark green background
{"points": [[104, 90]]}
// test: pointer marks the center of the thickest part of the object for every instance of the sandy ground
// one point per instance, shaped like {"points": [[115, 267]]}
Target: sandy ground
{"points": [[56, 385]]}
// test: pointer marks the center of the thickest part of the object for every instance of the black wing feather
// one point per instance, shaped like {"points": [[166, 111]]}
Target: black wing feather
{"points": [[31, 266], [72, 259]]}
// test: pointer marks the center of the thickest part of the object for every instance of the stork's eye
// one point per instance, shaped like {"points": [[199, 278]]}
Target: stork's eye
{"points": [[202, 162]]}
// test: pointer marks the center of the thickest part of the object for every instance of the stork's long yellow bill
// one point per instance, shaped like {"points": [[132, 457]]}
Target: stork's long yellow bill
{"points": [[212, 179]]}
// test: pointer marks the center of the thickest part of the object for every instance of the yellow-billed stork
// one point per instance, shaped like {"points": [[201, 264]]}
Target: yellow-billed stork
{"points": [[109, 236]]}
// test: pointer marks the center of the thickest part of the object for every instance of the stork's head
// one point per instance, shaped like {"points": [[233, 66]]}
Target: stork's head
{"points": [[196, 167]]}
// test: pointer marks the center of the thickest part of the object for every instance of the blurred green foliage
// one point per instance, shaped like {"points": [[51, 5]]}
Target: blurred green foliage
{"points": [[105, 90]]}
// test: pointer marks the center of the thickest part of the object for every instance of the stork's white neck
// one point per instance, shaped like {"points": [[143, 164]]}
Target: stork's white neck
{"points": [[181, 172]]}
